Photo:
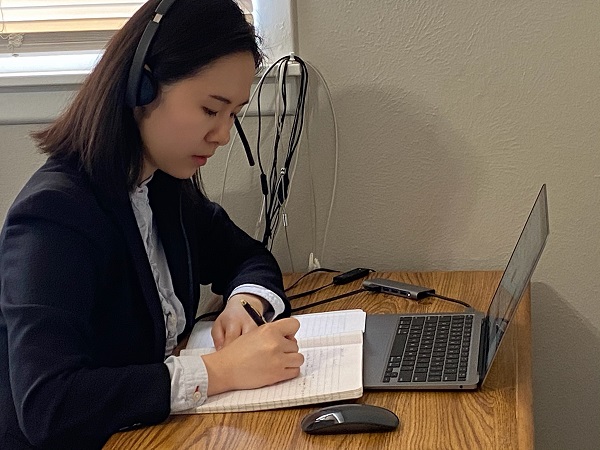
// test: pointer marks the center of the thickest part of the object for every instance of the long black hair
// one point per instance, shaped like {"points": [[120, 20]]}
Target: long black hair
{"points": [[98, 128]]}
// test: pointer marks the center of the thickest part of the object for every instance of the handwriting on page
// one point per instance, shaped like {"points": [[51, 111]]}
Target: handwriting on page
{"points": [[328, 373], [331, 343]]}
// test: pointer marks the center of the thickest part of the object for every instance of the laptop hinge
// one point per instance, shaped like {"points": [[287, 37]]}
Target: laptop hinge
{"points": [[483, 346]]}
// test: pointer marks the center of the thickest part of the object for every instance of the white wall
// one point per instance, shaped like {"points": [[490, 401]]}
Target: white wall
{"points": [[18, 159], [451, 115]]}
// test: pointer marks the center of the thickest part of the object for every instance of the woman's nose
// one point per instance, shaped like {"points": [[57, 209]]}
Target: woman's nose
{"points": [[221, 133]]}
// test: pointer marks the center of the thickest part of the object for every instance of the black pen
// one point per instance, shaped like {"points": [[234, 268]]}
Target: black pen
{"points": [[258, 319]]}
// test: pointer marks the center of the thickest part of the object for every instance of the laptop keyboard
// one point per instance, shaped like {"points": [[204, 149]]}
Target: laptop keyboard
{"points": [[430, 349]]}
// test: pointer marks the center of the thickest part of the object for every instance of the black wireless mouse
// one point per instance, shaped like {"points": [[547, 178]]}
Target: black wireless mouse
{"points": [[350, 418]]}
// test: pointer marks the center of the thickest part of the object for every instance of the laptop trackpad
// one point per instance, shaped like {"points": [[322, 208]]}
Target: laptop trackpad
{"points": [[380, 330]]}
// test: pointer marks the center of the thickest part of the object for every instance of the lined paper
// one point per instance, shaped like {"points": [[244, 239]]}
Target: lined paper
{"points": [[311, 325], [332, 347]]}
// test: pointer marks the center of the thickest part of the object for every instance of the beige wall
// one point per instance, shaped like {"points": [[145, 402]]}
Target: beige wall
{"points": [[451, 115]]}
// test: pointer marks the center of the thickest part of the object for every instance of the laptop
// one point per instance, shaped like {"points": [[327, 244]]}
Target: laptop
{"points": [[452, 350]]}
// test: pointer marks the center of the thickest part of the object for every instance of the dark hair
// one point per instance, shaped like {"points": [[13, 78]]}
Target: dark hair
{"points": [[99, 128]]}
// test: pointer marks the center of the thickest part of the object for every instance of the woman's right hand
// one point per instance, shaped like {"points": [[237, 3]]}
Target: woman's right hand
{"points": [[262, 357]]}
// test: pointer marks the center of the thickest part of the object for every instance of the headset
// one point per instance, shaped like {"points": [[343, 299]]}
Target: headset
{"points": [[142, 87]]}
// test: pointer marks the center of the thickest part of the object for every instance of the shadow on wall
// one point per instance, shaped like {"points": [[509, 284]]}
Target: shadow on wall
{"points": [[566, 374]]}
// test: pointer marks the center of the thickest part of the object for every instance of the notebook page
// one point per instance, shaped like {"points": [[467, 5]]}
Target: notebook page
{"points": [[200, 336], [329, 323], [332, 345], [329, 373], [346, 338], [311, 325]]}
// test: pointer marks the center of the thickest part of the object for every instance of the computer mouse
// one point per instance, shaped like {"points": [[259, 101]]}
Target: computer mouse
{"points": [[350, 418]]}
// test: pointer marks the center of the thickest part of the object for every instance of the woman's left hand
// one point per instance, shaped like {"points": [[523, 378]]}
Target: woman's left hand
{"points": [[234, 320]]}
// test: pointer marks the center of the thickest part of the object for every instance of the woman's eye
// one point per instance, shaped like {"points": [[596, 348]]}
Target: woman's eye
{"points": [[210, 112]]}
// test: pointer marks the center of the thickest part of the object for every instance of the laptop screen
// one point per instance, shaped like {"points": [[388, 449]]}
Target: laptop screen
{"points": [[518, 272]]}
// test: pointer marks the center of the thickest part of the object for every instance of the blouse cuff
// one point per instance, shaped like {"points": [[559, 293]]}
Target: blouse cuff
{"points": [[270, 296], [189, 381]]}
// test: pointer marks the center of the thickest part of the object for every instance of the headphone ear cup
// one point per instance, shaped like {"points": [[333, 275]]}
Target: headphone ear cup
{"points": [[148, 88]]}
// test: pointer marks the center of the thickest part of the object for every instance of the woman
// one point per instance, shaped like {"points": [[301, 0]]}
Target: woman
{"points": [[104, 250]]}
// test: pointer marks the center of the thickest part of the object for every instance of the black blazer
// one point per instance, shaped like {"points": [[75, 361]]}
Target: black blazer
{"points": [[82, 333]]}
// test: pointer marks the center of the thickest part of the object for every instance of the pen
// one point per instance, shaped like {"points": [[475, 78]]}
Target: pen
{"points": [[258, 319]]}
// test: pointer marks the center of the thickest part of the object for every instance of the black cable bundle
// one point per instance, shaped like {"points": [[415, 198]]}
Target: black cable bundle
{"points": [[275, 186]]}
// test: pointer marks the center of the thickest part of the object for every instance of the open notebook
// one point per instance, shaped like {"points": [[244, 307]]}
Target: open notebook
{"points": [[332, 345]]}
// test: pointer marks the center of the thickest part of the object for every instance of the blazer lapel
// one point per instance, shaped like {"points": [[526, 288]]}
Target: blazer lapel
{"points": [[122, 213]]}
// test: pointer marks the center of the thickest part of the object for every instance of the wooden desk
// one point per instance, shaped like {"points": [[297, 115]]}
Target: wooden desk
{"points": [[498, 416]]}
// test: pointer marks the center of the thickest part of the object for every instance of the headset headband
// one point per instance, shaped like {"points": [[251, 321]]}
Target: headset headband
{"points": [[139, 58]]}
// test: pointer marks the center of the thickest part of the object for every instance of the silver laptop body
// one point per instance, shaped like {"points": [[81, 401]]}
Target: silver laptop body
{"points": [[384, 369]]}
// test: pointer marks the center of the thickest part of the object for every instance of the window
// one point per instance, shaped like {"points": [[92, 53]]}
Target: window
{"points": [[42, 79], [46, 25], [70, 25], [46, 53]]}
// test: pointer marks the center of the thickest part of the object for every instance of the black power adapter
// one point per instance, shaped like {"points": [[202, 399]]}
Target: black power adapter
{"points": [[351, 275]]}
